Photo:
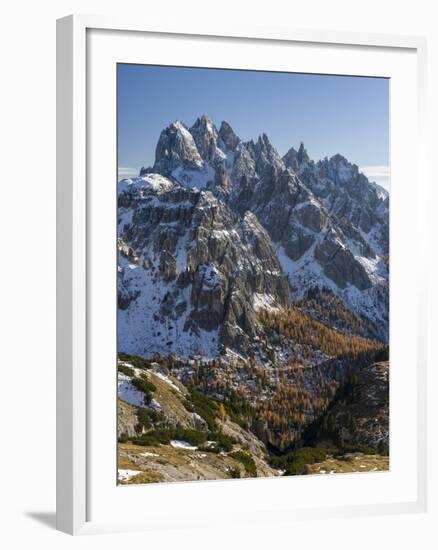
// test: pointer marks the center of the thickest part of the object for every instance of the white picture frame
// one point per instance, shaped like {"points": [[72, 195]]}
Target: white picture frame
{"points": [[75, 214]]}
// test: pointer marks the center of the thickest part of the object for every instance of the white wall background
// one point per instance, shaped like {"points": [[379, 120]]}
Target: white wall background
{"points": [[27, 176]]}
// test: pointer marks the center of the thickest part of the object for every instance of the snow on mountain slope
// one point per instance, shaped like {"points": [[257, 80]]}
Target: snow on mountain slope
{"points": [[128, 392], [381, 191], [144, 330]]}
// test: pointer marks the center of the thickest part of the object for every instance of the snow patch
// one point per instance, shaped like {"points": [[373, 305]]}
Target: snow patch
{"points": [[264, 301], [194, 178], [126, 475], [179, 444], [128, 392]]}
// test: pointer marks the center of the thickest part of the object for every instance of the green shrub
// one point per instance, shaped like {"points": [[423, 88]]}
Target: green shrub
{"points": [[203, 405], [126, 370], [123, 438], [210, 449], [156, 416], [235, 473], [143, 385], [383, 447], [382, 355], [144, 419], [295, 462], [152, 438], [196, 438], [278, 462], [224, 442], [135, 360], [247, 461], [296, 468], [310, 454]]}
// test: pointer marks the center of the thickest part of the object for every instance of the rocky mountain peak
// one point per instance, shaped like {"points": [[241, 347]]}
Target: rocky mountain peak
{"points": [[266, 155], [206, 136], [302, 155], [203, 126], [338, 169], [205, 120], [297, 160], [228, 137], [176, 146], [290, 159], [263, 144]]}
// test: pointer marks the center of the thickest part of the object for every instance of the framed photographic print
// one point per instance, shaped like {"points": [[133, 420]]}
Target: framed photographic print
{"points": [[240, 294]]}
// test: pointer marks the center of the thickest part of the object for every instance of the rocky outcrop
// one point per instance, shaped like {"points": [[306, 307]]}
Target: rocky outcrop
{"points": [[127, 419], [339, 265], [360, 415]]}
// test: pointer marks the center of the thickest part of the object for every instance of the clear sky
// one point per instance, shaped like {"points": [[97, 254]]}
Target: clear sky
{"points": [[330, 114]]}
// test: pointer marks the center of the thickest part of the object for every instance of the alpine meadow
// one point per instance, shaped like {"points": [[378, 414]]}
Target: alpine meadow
{"points": [[253, 280]]}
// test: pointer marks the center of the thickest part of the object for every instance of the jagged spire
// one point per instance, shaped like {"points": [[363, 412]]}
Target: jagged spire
{"points": [[175, 145], [302, 155], [263, 141], [205, 134], [266, 156], [228, 136], [203, 121]]}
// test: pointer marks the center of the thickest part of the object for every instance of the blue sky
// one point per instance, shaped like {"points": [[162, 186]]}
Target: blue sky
{"points": [[330, 114]]}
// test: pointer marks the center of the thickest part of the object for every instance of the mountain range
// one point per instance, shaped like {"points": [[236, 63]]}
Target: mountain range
{"points": [[219, 229], [253, 312]]}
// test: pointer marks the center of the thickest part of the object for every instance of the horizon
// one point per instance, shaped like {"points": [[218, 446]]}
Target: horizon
{"points": [[337, 114]]}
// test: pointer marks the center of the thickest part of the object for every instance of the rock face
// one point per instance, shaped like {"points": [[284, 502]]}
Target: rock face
{"points": [[229, 140], [127, 420], [339, 265], [190, 271], [176, 147], [361, 415], [205, 135], [219, 227]]}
